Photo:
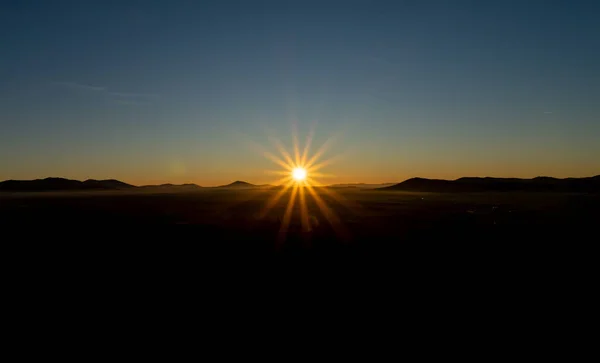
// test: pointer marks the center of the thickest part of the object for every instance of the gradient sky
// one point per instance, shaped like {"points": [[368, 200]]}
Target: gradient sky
{"points": [[179, 91]]}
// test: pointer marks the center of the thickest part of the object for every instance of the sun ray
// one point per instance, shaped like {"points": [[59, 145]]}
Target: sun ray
{"points": [[295, 144], [300, 176], [324, 163], [277, 172], [287, 215], [274, 199], [326, 145], [276, 160], [319, 175], [304, 211], [282, 181], [276, 142], [347, 203], [307, 145], [328, 213], [259, 193], [279, 146], [261, 150]]}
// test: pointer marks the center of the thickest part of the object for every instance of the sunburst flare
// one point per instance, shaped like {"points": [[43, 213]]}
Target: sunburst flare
{"points": [[299, 178]]}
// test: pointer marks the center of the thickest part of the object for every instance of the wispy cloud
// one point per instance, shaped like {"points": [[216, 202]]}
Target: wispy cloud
{"points": [[133, 95], [124, 98], [131, 103], [87, 87]]}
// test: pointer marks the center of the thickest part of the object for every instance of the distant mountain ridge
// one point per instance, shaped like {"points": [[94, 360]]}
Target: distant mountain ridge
{"points": [[244, 185], [171, 187], [361, 185], [488, 184], [62, 184], [238, 184], [465, 184], [49, 184]]}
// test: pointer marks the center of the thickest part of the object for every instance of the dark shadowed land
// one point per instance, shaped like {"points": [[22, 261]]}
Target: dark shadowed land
{"points": [[450, 233], [353, 220], [392, 239]]}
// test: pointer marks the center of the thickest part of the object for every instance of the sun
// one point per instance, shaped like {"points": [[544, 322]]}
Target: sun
{"points": [[299, 174], [299, 180]]}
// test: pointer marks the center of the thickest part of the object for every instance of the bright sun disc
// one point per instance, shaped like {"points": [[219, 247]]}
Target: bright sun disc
{"points": [[299, 174]]}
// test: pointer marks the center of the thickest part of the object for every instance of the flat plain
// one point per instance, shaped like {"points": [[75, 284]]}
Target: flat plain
{"points": [[365, 220]]}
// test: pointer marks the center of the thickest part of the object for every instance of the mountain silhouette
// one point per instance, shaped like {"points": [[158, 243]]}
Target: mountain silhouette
{"points": [[50, 184], [238, 184], [465, 184], [172, 187], [361, 185], [105, 184], [487, 184]]}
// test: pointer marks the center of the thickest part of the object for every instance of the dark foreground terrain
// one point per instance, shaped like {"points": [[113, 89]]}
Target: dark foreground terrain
{"points": [[421, 247], [353, 220]]}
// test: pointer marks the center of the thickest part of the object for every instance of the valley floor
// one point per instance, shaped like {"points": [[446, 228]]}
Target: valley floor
{"points": [[363, 219]]}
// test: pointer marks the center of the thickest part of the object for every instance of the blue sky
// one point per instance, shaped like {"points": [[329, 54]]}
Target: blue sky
{"points": [[178, 91]]}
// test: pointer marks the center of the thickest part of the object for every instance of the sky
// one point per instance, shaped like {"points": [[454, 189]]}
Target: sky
{"points": [[194, 91]]}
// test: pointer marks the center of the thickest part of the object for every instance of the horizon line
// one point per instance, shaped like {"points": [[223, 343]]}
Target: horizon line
{"points": [[278, 185]]}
